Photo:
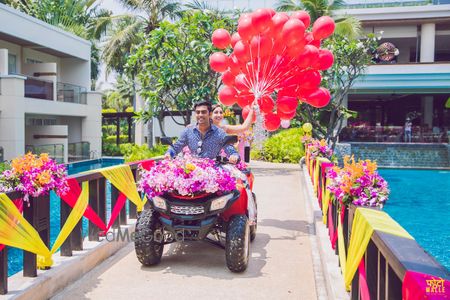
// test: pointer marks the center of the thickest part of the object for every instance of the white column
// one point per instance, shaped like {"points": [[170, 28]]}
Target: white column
{"points": [[91, 125], [12, 115], [3, 61], [139, 125], [427, 110], [427, 41]]}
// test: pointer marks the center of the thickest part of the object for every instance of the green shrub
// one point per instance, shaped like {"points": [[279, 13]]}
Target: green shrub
{"points": [[110, 149], [108, 110], [284, 146], [111, 139], [109, 130], [133, 152], [129, 109], [4, 166]]}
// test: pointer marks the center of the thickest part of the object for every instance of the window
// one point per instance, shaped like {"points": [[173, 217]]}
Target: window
{"points": [[12, 64]]}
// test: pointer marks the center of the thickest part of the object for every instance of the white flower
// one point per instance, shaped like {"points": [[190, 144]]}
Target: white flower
{"points": [[359, 45], [396, 52]]}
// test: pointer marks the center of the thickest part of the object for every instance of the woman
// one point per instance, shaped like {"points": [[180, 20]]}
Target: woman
{"points": [[217, 117]]}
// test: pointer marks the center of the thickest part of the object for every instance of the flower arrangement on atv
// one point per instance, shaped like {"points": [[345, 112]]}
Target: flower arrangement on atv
{"points": [[186, 176]]}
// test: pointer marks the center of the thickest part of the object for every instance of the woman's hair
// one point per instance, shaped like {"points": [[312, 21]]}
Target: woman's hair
{"points": [[213, 108]]}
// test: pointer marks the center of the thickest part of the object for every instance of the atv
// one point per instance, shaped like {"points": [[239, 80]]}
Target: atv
{"points": [[220, 218]]}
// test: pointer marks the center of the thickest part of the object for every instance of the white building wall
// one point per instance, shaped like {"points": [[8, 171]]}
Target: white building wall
{"points": [[74, 128], [91, 125], [12, 116], [75, 71], [15, 50]]}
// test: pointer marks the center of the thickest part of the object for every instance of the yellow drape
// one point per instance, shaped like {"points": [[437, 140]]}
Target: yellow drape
{"points": [[121, 177], [326, 198], [341, 245], [17, 232], [317, 169], [365, 222]]}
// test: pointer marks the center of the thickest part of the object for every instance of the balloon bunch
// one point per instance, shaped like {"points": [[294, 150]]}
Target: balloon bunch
{"points": [[273, 57]]}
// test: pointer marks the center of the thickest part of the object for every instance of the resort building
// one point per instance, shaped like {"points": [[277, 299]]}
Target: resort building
{"points": [[410, 77], [45, 100]]}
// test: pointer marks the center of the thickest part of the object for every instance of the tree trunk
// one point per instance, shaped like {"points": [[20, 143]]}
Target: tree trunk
{"points": [[150, 133]]}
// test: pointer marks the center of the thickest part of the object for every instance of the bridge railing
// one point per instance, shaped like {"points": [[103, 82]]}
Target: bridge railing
{"points": [[37, 213], [387, 257]]}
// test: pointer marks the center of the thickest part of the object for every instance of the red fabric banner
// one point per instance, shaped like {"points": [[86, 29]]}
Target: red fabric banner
{"points": [[363, 287], [71, 198], [323, 168], [116, 211], [417, 286], [19, 204]]}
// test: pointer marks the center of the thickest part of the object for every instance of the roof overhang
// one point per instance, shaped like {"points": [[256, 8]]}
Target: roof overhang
{"points": [[19, 28], [405, 79]]}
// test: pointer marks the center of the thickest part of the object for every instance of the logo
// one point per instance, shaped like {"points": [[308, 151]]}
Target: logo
{"points": [[435, 286]]}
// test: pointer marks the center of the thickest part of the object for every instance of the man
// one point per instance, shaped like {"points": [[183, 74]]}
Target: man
{"points": [[204, 139], [408, 130]]}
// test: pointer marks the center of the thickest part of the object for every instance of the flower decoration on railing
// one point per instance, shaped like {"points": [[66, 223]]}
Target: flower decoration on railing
{"points": [[358, 183], [34, 176], [319, 148], [187, 176]]}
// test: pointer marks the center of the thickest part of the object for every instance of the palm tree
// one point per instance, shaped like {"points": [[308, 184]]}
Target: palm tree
{"points": [[347, 26], [127, 30]]}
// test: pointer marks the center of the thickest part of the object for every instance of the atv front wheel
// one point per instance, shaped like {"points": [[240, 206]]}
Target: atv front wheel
{"points": [[149, 238], [237, 246]]}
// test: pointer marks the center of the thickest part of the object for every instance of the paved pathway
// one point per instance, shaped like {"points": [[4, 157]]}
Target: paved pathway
{"points": [[280, 266]]}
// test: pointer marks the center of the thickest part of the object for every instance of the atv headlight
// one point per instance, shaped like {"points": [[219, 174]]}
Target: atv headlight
{"points": [[220, 202], [159, 203]]}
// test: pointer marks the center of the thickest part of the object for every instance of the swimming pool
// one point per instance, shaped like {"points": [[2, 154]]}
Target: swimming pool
{"points": [[420, 202], [15, 256]]}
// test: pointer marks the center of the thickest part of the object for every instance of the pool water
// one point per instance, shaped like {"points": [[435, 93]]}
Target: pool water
{"points": [[420, 202], [15, 256]]}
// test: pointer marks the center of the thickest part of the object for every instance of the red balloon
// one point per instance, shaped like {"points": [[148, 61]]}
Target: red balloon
{"points": [[221, 38], [242, 51], [271, 122], [261, 19], [246, 29], [323, 27], [307, 57], [310, 79], [278, 20], [318, 98], [266, 104], [325, 60], [294, 50], [302, 16], [290, 91], [235, 38], [235, 67], [293, 31], [260, 46], [227, 95], [228, 78], [246, 111], [244, 99], [219, 61], [271, 11], [241, 83], [286, 116], [286, 104]]}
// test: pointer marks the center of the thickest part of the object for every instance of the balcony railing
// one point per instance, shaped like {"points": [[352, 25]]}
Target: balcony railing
{"points": [[55, 151], [394, 134], [71, 93], [79, 151], [390, 3], [38, 88]]}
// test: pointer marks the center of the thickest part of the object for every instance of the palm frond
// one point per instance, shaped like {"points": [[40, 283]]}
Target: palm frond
{"points": [[289, 5], [349, 27]]}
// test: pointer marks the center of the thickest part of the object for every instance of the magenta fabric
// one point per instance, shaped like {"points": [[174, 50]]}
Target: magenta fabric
{"points": [[417, 286], [363, 287]]}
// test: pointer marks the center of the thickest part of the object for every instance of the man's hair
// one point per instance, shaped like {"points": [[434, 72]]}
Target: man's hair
{"points": [[203, 103]]}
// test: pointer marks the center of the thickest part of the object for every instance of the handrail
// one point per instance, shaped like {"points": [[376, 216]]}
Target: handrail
{"points": [[38, 216], [387, 258]]}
